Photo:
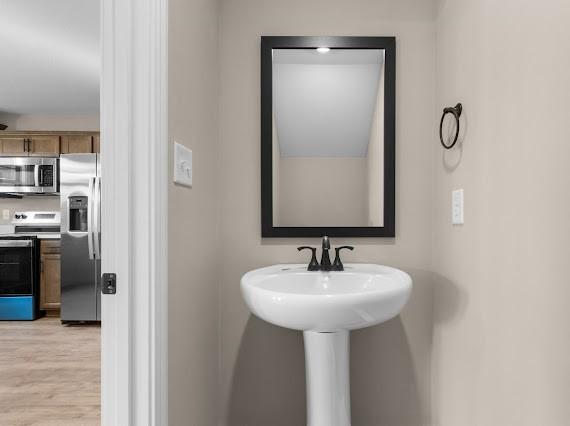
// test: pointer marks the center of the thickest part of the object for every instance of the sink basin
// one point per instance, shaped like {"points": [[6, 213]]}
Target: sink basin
{"points": [[326, 306], [360, 296]]}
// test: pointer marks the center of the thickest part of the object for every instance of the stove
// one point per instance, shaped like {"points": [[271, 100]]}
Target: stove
{"points": [[20, 262], [43, 224], [19, 278]]}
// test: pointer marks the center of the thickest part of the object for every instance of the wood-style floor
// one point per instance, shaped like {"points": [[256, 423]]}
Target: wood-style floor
{"points": [[49, 374]]}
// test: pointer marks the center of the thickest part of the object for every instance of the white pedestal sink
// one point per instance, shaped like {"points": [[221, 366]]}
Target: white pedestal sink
{"points": [[326, 306]]}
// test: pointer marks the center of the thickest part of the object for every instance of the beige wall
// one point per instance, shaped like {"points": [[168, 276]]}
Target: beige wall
{"points": [[317, 191], [193, 215], [483, 340], [275, 172], [262, 366], [50, 122], [375, 160], [501, 347]]}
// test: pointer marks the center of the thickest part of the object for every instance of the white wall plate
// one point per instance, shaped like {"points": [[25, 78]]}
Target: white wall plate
{"points": [[182, 165], [457, 207]]}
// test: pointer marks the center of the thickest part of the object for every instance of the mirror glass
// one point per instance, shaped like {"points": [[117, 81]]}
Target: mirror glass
{"points": [[328, 137]]}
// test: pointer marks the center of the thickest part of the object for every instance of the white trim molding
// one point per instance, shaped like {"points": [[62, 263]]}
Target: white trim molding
{"points": [[134, 151]]}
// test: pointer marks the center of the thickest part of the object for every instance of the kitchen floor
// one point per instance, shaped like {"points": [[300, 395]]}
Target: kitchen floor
{"points": [[49, 374]]}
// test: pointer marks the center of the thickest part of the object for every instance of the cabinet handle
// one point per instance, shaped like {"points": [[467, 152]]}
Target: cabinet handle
{"points": [[42, 265]]}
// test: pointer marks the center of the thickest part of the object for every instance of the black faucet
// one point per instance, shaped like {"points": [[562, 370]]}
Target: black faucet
{"points": [[337, 264], [313, 264], [325, 258]]}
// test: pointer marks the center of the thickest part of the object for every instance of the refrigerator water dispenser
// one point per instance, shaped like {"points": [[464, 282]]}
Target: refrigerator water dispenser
{"points": [[78, 214]]}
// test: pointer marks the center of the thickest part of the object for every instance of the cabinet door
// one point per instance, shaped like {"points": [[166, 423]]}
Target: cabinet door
{"points": [[97, 144], [44, 146], [50, 280], [13, 147], [76, 144]]}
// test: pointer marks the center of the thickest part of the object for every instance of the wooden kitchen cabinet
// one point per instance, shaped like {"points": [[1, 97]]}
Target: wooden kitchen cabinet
{"points": [[24, 146], [97, 144], [50, 277], [47, 144], [43, 146], [12, 146], [76, 144]]}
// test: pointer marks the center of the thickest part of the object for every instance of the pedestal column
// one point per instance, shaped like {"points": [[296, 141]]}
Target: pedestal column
{"points": [[327, 373]]}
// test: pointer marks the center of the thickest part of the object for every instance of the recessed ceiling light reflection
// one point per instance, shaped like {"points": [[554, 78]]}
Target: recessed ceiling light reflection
{"points": [[323, 49]]}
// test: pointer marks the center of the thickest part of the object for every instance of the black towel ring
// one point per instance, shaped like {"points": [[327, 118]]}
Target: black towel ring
{"points": [[456, 111]]}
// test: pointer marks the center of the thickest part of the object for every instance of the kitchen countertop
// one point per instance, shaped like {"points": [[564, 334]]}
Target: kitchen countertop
{"points": [[45, 236]]}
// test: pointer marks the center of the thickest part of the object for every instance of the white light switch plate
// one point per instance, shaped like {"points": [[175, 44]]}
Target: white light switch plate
{"points": [[6, 214], [457, 207], [182, 165]]}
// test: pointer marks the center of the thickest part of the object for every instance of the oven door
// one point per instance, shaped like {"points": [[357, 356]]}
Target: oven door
{"points": [[28, 175], [16, 268]]}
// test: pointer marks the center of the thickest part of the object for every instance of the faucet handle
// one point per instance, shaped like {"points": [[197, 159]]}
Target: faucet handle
{"points": [[337, 264], [313, 264]]}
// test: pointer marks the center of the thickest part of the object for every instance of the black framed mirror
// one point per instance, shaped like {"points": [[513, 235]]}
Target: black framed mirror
{"points": [[328, 118]]}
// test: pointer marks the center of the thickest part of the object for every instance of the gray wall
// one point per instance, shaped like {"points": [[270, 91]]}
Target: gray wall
{"points": [[193, 215], [50, 122], [262, 366], [501, 348]]}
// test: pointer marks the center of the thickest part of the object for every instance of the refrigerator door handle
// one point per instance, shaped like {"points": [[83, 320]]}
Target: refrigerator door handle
{"points": [[97, 217], [90, 218]]}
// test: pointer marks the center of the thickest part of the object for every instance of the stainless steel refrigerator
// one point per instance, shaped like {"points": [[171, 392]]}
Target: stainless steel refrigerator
{"points": [[80, 192]]}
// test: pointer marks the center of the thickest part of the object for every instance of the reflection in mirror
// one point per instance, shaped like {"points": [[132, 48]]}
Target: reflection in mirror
{"points": [[328, 137]]}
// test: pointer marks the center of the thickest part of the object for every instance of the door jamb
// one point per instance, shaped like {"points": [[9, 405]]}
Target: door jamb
{"points": [[134, 153]]}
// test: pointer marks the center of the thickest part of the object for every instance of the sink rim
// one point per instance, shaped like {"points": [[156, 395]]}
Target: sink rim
{"points": [[388, 272], [327, 312]]}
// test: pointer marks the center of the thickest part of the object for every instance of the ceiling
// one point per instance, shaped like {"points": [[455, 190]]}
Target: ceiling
{"points": [[50, 56], [324, 103]]}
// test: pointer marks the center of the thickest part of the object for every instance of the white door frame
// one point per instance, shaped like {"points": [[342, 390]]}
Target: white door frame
{"points": [[134, 152]]}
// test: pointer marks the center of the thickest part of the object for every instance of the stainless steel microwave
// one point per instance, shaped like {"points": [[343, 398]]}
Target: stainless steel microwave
{"points": [[29, 175]]}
